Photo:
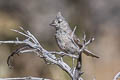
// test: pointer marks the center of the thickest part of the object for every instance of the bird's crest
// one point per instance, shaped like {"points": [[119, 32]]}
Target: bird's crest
{"points": [[59, 15]]}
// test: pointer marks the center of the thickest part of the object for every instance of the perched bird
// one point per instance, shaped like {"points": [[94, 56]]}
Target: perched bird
{"points": [[63, 34]]}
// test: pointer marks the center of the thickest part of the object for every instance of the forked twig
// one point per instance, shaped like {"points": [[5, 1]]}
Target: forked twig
{"points": [[31, 44]]}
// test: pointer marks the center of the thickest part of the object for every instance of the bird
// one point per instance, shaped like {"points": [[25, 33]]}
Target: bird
{"points": [[63, 34]]}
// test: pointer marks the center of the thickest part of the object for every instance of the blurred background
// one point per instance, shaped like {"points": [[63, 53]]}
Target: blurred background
{"points": [[98, 18]]}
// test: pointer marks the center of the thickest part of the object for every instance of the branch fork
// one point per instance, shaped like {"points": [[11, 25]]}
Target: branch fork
{"points": [[31, 44]]}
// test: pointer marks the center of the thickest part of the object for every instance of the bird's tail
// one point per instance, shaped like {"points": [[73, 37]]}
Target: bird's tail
{"points": [[88, 53]]}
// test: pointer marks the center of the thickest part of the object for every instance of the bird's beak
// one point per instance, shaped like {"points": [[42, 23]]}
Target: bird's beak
{"points": [[52, 24]]}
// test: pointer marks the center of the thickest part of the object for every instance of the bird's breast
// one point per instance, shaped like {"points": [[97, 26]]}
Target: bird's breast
{"points": [[65, 43]]}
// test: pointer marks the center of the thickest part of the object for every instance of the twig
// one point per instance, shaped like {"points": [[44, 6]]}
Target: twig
{"points": [[49, 56], [77, 71], [117, 76], [24, 78]]}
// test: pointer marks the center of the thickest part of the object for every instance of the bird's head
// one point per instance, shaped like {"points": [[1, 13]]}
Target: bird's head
{"points": [[59, 22]]}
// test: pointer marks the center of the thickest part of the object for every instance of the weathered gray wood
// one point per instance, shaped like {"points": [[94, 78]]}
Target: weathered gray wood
{"points": [[117, 76], [24, 78]]}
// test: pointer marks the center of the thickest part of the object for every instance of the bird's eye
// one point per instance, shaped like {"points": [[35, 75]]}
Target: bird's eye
{"points": [[59, 20]]}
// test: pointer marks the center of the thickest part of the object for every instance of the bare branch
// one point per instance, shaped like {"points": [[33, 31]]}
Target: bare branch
{"points": [[23, 29], [20, 32], [64, 54], [73, 32], [77, 70], [16, 52], [37, 48], [84, 38], [33, 45], [117, 76], [24, 78]]}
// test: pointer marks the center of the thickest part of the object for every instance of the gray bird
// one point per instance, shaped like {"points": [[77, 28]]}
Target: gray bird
{"points": [[63, 34]]}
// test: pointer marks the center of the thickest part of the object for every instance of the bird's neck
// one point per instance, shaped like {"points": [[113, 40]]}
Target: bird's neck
{"points": [[65, 29]]}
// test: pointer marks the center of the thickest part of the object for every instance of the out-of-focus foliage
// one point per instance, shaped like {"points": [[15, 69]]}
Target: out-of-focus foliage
{"points": [[98, 18]]}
